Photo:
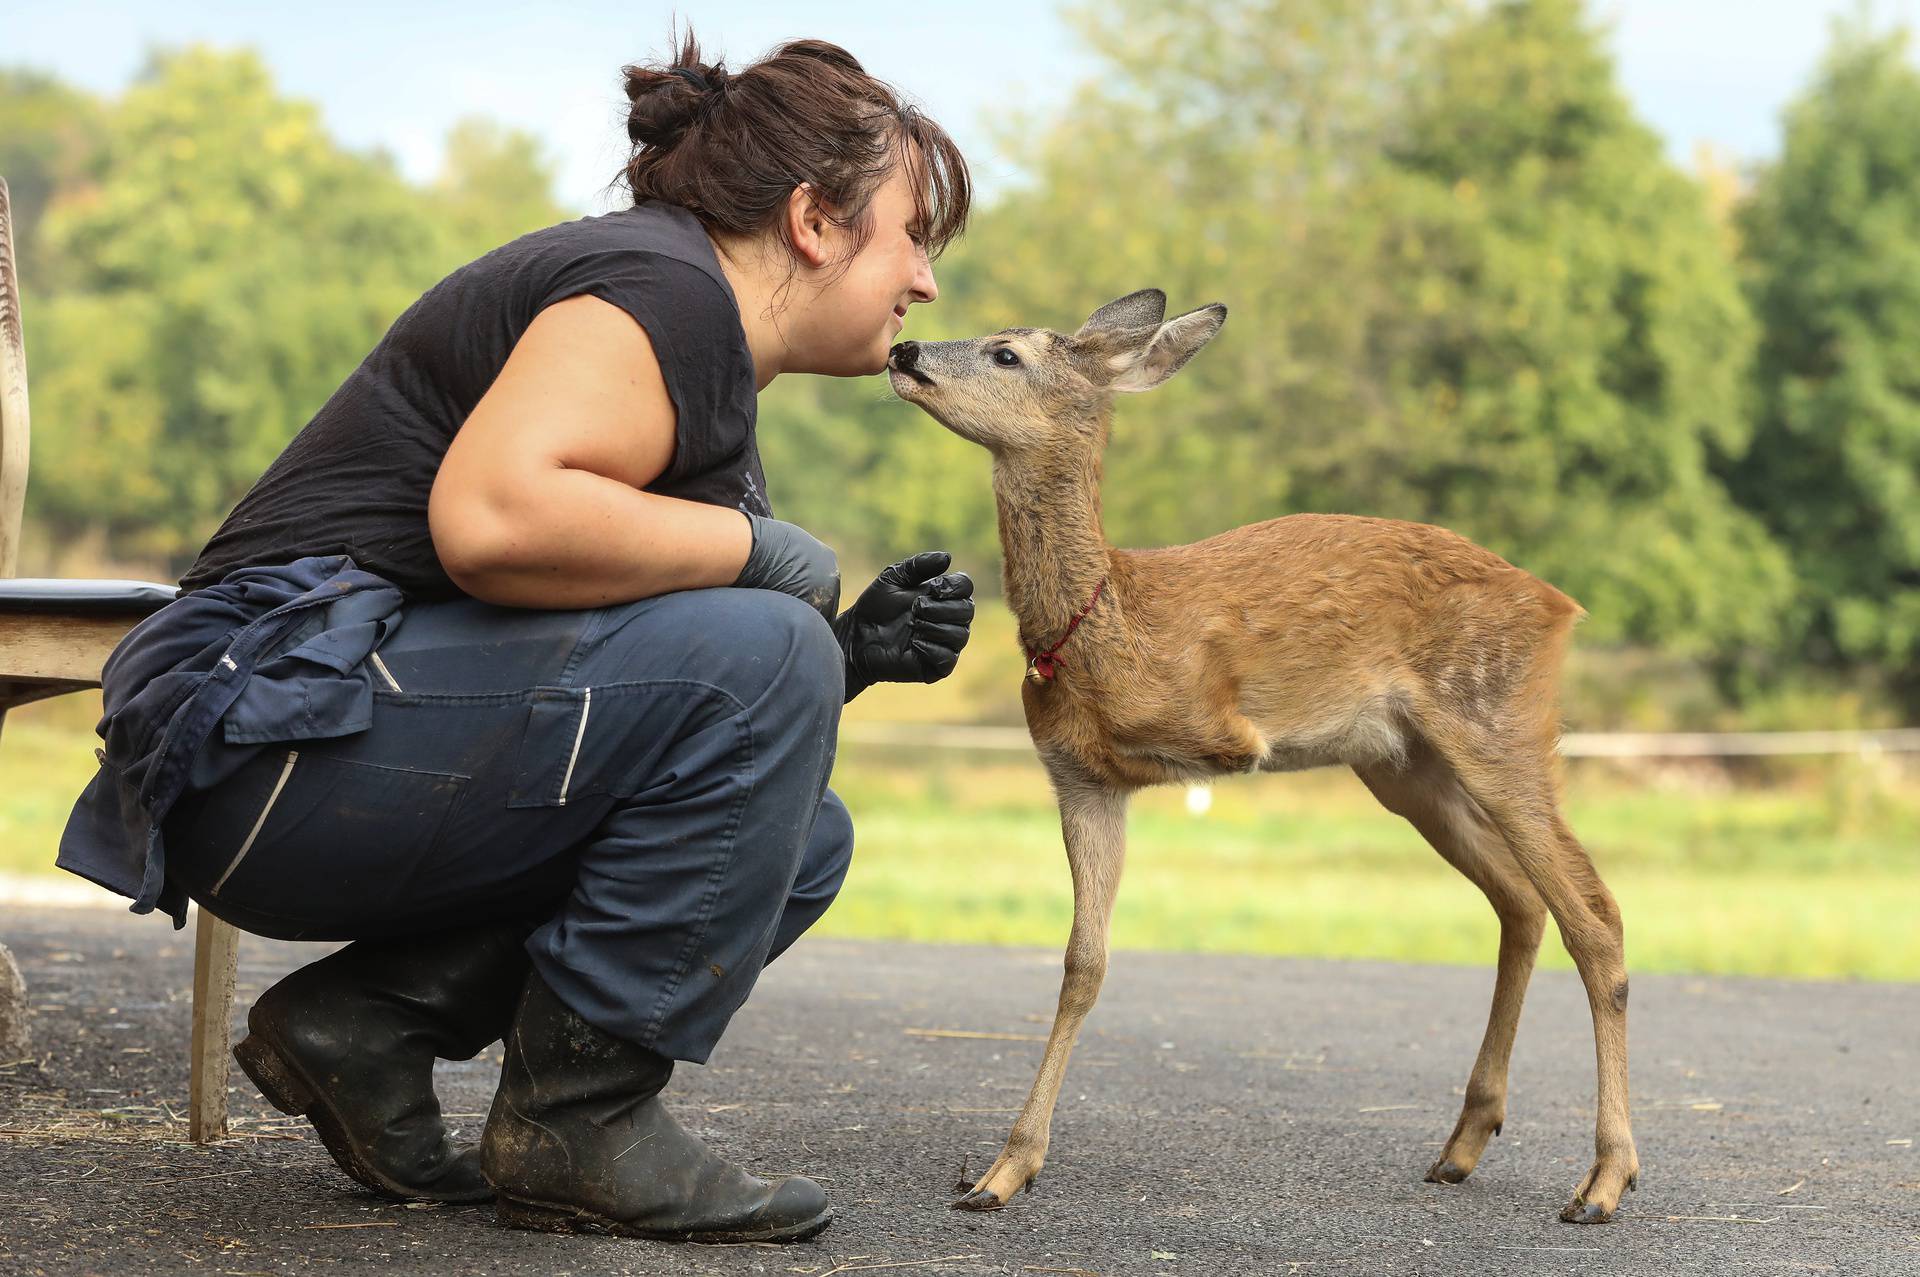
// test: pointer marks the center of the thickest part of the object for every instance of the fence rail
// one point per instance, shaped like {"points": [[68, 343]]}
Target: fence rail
{"points": [[1900, 740]]}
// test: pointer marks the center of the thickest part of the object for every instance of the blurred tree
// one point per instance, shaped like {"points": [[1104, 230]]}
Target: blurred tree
{"points": [[1833, 241], [496, 184], [1718, 173], [1561, 341], [225, 266], [48, 133]]}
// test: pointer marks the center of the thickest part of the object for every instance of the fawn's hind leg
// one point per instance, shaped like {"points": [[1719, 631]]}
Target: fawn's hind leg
{"points": [[1428, 794], [1515, 787]]}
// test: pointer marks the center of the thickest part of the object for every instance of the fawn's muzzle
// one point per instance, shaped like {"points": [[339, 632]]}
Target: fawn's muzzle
{"points": [[905, 358]]}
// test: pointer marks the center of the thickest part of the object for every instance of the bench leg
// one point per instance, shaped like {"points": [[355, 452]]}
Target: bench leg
{"points": [[216, 954], [14, 1044]]}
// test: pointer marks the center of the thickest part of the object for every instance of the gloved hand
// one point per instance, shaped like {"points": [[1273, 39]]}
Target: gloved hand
{"points": [[787, 558], [908, 626]]}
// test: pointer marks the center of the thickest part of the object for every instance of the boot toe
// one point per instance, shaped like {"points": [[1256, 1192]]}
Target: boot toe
{"points": [[796, 1198], [797, 1209], [461, 1181]]}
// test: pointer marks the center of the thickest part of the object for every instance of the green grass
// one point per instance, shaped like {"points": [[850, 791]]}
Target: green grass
{"points": [[46, 759], [1812, 875], [1813, 879]]}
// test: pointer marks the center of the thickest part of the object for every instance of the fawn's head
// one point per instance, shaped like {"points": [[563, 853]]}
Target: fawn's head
{"points": [[1024, 390]]}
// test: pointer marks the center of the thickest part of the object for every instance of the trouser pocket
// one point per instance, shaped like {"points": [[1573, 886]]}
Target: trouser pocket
{"points": [[304, 835], [259, 822], [549, 751]]}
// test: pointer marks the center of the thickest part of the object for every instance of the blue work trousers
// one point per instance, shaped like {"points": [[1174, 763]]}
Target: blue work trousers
{"points": [[643, 784]]}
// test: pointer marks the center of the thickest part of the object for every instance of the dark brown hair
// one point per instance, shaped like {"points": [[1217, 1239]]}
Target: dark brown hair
{"points": [[732, 152]]}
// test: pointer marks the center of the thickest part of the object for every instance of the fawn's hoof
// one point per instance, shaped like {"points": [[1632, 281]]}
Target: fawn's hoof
{"points": [[1579, 1212], [1445, 1172], [1598, 1194], [980, 1199]]}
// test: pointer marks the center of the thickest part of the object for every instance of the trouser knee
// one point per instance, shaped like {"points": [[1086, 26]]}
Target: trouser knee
{"points": [[767, 650], [829, 852], [823, 867]]}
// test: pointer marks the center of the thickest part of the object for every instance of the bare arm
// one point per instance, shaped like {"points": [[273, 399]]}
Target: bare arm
{"points": [[537, 503]]}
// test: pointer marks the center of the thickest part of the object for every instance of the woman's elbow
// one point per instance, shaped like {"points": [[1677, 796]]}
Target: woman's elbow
{"points": [[472, 542]]}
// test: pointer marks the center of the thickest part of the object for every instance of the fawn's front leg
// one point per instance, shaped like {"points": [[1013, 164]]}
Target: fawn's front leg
{"points": [[1093, 819]]}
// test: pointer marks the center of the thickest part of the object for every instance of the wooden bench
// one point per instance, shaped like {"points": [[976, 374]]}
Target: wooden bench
{"points": [[54, 637]]}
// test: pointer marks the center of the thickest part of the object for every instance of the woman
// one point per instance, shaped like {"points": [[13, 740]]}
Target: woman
{"points": [[521, 687]]}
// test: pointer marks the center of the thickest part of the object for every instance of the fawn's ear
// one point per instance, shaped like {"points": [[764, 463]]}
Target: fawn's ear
{"points": [[1145, 363], [1136, 310]]}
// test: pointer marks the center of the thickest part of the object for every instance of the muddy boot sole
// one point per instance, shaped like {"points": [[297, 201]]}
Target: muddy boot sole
{"points": [[288, 1090], [547, 1217]]}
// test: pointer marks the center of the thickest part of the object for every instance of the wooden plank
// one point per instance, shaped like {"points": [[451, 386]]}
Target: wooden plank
{"points": [[44, 646], [216, 960]]}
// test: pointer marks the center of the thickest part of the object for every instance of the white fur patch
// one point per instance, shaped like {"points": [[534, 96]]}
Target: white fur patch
{"points": [[1371, 735]]}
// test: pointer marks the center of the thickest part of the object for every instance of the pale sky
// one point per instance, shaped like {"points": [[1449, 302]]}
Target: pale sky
{"points": [[399, 74]]}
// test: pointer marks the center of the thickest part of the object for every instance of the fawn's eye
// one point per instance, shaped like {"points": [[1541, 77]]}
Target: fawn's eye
{"points": [[1006, 358]]}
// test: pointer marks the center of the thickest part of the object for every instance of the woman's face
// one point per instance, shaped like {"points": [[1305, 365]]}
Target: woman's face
{"points": [[862, 312]]}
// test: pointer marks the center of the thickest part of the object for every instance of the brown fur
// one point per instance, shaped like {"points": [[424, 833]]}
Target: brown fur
{"points": [[1426, 663]]}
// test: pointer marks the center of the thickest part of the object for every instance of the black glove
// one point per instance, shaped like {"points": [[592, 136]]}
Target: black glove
{"points": [[786, 557], [908, 626]]}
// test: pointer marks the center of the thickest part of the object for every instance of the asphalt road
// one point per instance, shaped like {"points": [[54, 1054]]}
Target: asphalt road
{"points": [[1222, 1116]]}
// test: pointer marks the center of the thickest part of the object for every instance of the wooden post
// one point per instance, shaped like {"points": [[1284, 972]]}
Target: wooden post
{"points": [[13, 397], [13, 401], [13, 500], [216, 956]]}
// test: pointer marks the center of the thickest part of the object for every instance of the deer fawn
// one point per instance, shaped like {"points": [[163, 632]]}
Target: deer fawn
{"points": [[1426, 663]]}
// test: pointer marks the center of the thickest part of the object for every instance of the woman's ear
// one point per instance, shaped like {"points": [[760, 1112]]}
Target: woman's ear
{"points": [[806, 226]]}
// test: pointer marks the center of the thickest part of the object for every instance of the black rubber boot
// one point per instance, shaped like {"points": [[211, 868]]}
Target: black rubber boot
{"points": [[578, 1141], [350, 1042]]}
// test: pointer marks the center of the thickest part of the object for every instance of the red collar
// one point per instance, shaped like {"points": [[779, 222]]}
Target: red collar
{"points": [[1042, 664]]}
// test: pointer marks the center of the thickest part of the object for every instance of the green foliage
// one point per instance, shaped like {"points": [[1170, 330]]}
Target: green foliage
{"points": [[1833, 240], [224, 264], [1466, 288], [496, 184], [1562, 343], [46, 131]]}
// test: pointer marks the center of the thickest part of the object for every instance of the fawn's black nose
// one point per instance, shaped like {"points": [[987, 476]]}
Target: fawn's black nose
{"points": [[904, 359]]}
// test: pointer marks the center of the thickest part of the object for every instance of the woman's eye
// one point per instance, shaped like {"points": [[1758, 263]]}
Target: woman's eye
{"points": [[1006, 358]]}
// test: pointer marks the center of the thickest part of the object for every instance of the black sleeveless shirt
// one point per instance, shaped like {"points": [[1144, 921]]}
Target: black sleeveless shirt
{"points": [[355, 479]]}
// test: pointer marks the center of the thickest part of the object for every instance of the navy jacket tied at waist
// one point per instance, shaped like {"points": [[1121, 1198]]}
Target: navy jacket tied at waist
{"points": [[272, 653]]}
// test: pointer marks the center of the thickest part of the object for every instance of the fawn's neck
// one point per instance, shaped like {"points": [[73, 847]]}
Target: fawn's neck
{"points": [[1056, 552]]}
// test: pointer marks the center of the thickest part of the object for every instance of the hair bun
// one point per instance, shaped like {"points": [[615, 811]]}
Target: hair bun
{"points": [[667, 102], [731, 149]]}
